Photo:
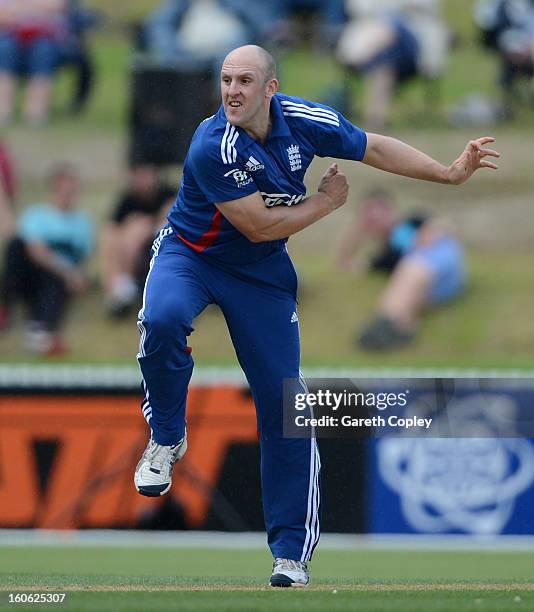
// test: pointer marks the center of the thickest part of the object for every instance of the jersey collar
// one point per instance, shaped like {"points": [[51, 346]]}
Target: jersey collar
{"points": [[279, 127]]}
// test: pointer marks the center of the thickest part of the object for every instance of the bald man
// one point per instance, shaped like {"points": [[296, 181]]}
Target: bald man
{"points": [[242, 195]]}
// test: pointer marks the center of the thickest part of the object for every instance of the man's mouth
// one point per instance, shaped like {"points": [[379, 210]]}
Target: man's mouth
{"points": [[235, 104]]}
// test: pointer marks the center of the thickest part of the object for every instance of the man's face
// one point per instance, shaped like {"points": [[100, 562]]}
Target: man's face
{"points": [[244, 91], [66, 189]]}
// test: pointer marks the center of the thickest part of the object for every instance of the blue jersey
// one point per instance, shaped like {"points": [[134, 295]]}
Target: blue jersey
{"points": [[224, 163]]}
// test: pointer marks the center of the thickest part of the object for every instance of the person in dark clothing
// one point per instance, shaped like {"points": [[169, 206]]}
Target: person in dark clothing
{"points": [[507, 27], [125, 243]]}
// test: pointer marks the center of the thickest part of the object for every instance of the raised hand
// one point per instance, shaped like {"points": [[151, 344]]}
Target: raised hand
{"points": [[472, 158]]}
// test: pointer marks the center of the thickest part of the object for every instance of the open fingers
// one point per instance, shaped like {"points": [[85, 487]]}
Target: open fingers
{"points": [[488, 164], [479, 142], [485, 140], [490, 152]]}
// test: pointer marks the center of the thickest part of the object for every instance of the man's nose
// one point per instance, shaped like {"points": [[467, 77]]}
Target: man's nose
{"points": [[233, 88]]}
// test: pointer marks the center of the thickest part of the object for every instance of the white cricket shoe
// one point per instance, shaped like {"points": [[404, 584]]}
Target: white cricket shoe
{"points": [[289, 573], [153, 474]]}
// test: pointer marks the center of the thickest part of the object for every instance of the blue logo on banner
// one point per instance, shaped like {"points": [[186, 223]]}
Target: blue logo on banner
{"points": [[483, 484], [455, 485]]}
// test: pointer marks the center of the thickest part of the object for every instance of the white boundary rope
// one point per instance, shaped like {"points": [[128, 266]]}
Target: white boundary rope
{"points": [[253, 540], [113, 377]]}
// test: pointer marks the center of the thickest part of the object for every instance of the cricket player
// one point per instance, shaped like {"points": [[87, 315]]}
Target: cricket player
{"points": [[242, 195]]}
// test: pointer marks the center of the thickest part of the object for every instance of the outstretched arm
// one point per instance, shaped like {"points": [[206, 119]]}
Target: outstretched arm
{"points": [[395, 156]]}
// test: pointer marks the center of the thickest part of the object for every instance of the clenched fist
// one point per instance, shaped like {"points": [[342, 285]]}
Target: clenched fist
{"points": [[334, 185]]}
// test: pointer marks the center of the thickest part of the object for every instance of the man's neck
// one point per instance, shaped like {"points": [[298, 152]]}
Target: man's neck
{"points": [[261, 128]]}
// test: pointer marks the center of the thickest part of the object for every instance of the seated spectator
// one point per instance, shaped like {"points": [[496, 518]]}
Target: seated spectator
{"points": [[7, 194], [140, 212], [424, 260], [271, 22], [31, 35], [388, 42], [187, 32], [507, 26], [44, 262]]}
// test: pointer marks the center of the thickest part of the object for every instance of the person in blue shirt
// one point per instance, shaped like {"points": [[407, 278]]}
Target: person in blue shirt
{"points": [[241, 196], [421, 253], [44, 264]]}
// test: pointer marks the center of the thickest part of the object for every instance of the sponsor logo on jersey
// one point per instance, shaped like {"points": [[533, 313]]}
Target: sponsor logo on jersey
{"points": [[294, 317], [295, 161], [241, 177], [281, 199], [253, 165]]}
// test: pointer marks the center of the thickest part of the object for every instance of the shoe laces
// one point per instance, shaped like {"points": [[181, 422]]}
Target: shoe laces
{"points": [[289, 565], [161, 456]]}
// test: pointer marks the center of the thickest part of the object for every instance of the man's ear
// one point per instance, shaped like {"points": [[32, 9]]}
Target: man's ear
{"points": [[271, 88]]}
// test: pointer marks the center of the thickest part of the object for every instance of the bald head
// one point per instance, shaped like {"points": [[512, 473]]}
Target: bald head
{"points": [[248, 84], [253, 55]]}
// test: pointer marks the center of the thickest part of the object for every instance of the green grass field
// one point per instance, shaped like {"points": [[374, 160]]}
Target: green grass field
{"points": [[492, 214], [198, 579]]}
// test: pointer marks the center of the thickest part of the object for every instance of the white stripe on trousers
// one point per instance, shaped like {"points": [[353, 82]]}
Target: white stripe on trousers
{"points": [[145, 406], [312, 516]]}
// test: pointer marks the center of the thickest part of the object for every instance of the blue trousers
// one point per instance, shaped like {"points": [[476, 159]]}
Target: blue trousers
{"points": [[258, 301]]}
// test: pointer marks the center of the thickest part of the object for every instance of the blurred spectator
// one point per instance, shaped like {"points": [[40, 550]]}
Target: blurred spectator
{"points": [[272, 25], [44, 262], [74, 51], [140, 212], [390, 41], [193, 32], [31, 35], [424, 260], [7, 194], [187, 31], [507, 26]]}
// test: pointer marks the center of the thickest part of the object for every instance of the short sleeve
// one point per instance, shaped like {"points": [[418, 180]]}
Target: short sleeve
{"points": [[33, 225], [219, 181], [336, 136], [87, 237]]}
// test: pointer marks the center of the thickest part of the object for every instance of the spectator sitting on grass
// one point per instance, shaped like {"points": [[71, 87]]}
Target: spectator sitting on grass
{"points": [[424, 260], [272, 22], [125, 244], [187, 32], [44, 262], [390, 41], [31, 35], [507, 26]]}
